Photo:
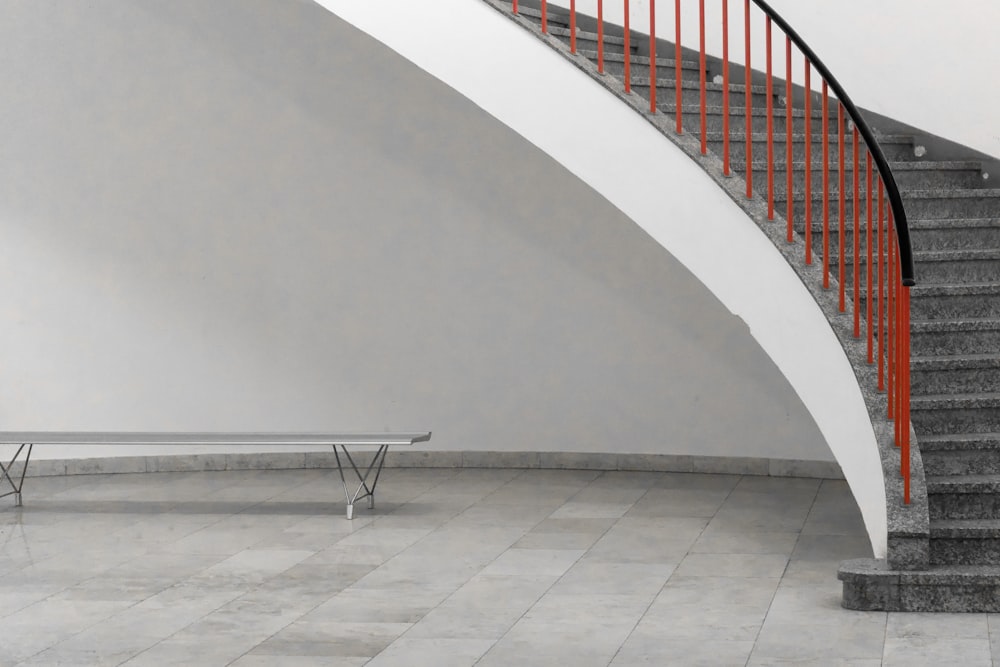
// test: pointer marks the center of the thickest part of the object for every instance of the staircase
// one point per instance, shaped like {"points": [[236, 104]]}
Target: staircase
{"points": [[944, 548]]}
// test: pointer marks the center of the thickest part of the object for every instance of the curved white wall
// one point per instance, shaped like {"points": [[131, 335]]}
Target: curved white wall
{"points": [[931, 65], [546, 99]]}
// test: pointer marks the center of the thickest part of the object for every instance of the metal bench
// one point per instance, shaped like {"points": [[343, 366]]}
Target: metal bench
{"points": [[26, 441]]}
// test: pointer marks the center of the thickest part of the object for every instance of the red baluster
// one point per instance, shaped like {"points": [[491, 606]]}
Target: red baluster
{"points": [[748, 80], [841, 303], [545, 16], [725, 87], [857, 236], [868, 246], [881, 287], [572, 25], [789, 185], [515, 6], [808, 157], [628, 52], [600, 36], [652, 56], [905, 414], [890, 311], [826, 187], [703, 67], [770, 124], [678, 86]]}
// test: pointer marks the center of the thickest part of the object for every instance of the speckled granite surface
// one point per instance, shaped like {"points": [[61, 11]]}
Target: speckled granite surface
{"points": [[870, 585]]}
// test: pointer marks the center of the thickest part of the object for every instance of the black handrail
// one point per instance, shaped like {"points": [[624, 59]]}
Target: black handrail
{"points": [[892, 192]]}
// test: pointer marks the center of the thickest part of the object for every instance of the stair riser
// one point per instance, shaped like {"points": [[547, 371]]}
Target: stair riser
{"points": [[948, 239], [928, 343], [956, 551], [962, 462], [914, 598], [945, 307], [893, 151], [668, 95], [954, 381], [955, 420], [955, 306], [912, 179], [963, 506]]}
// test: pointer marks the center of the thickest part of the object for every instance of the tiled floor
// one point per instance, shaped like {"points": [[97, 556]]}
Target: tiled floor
{"points": [[454, 567]]}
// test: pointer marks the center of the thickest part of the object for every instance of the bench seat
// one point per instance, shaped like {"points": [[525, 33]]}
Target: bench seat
{"points": [[27, 440]]}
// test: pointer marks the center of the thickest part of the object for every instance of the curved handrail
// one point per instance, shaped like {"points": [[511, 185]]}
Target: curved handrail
{"points": [[892, 191]]}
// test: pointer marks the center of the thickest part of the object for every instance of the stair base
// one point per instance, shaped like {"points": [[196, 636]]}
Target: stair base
{"points": [[869, 585]]}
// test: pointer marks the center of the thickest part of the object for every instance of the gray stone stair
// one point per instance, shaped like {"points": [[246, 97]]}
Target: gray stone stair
{"points": [[963, 454], [895, 147], [909, 175], [945, 548], [972, 335], [955, 374]]}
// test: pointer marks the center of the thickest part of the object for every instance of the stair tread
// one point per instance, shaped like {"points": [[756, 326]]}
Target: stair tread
{"points": [[943, 573], [955, 361], [956, 253], [946, 223], [956, 401], [963, 324], [965, 528], [955, 289], [938, 438]]}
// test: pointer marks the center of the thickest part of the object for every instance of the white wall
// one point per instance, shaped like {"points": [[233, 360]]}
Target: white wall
{"points": [[546, 99], [248, 215], [928, 64]]}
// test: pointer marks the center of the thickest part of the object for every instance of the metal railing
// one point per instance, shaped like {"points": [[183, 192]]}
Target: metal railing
{"points": [[888, 274]]}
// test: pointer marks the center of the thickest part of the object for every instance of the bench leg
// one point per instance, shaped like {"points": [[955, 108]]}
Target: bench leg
{"points": [[363, 478], [6, 470]]}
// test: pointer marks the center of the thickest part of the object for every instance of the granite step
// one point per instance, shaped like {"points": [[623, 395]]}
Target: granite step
{"points": [[955, 374], [964, 265], [955, 301], [737, 118], [963, 496], [961, 454], [965, 541], [925, 235], [614, 65], [967, 336], [908, 175], [920, 204], [666, 91], [870, 585], [896, 147], [956, 413], [588, 40], [556, 16]]}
